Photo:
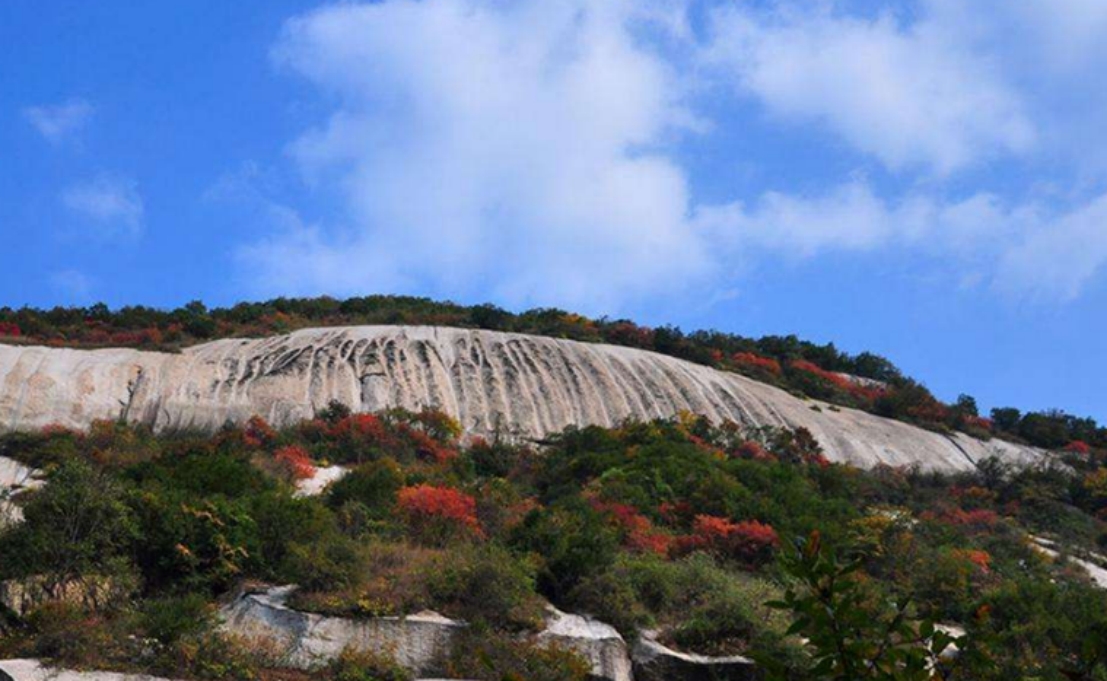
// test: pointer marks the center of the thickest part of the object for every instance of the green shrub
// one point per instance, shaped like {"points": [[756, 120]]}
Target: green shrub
{"points": [[486, 584], [170, 619], [483, 655], [699, 605], [573, 541], [360, 665], [77, 525], [333, 561], [373, 485]]}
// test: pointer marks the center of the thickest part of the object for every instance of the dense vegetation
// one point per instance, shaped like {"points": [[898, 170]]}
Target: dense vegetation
{"points": [[796, 365], [677, 525]]}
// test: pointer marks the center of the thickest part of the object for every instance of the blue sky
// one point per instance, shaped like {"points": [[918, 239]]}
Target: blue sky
{"points": [[926, 179]]}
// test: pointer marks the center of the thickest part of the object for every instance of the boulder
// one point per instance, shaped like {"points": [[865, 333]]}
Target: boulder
{"points": [[654, 661], [308, 641], [599, 643]]}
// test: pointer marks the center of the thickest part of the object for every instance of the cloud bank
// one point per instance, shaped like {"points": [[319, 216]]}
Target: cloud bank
{"points": [[532, 151]]}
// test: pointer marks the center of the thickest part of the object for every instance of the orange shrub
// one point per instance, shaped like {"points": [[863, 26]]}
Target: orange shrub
{"points": [[436, 513], [749, 542], [756, 363], [295, 462]]}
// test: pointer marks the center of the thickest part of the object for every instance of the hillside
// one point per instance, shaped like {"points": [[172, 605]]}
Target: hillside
{"points": [[864, 381], [519, 384]]}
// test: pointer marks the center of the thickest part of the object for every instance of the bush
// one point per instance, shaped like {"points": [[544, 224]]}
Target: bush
{"points": [[486, 584], [361, 665], [78, 525], [170, 619], [699, 605], [573, 541], [71, 636], [435, 515], [483, 655], [373, 485], [331, 562]]}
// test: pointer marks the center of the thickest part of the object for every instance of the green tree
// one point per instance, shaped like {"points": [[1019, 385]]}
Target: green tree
{"points": [[77, 526], [850, 635]]}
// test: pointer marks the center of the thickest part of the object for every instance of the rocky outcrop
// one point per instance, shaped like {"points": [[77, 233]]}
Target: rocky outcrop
{"points": [[488, 380], [308, 641], [599, 643], [33, 670], [1096, 571], [418, 642], [21, 596], [654, 661], [14, 478]]}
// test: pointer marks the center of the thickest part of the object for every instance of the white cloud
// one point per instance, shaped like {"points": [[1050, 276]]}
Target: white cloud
{"points": [[60, 122], [75, 285], [1058, 254], [911, 94], [113, 204], [525, 151], [512, 150], [1022, 250]]}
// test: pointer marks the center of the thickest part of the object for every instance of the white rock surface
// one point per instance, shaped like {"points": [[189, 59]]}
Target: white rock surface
{"points": [[1096, 572], [653, 661], [308, 641], [528, 384], [318, 483], [33, 670], [599, 643], [14, 477]]}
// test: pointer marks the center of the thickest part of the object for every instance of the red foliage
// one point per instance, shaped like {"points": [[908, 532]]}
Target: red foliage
{"points": [[10, 329], [296, 462], [258, 433], [752, 450], [1078, 447], [639, 533], [704, 445], [828, 376], [628, 333], [360, 429], [51, 430], [676, 513], [749, 541], [981, 559], [860, 391], [754, 362], [931, 411], [427, 447], [977, 422], [438, 510], [981, 517]]}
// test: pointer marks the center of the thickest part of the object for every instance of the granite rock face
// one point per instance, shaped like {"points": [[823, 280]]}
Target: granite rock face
{"points": [[527, 385], [418, 642], [654, 661], [595, 641], [33, 670], [305, 640]]}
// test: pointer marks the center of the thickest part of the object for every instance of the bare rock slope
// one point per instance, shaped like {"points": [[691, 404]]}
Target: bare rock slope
{"points": [[527, 384]]}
